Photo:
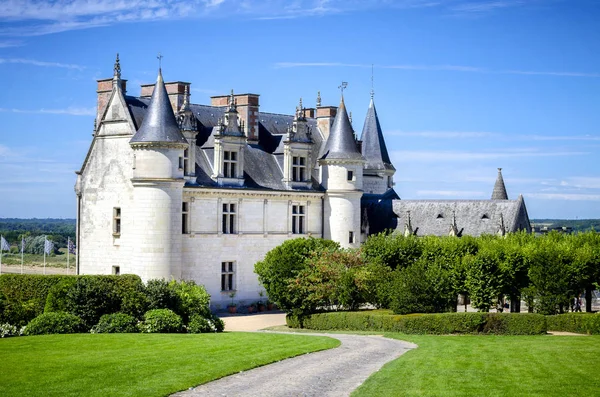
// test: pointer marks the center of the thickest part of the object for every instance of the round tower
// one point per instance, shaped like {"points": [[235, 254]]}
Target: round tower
{"points": [[341, 169], [158, 179]]}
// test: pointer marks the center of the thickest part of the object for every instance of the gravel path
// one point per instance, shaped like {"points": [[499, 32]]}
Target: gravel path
{"points": [[333, 372]]}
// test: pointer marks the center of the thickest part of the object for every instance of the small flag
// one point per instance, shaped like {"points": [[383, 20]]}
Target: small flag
{"points": [[71, 247], [48, 246], [22, 244], [4, 246]]}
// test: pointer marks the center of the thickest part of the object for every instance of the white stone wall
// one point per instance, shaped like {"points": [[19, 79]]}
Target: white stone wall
{"points": [[156, 162], [377, 182], [342, 215], [105, 184], [263, 222], [334, 176]]}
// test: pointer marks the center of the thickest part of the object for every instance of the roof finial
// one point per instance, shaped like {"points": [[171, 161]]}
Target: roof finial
{"points": [[159, 57], [232, 101], [350, 117], [342, 87], [318, 98], [117, 69], [300, 110], [372, 89]]}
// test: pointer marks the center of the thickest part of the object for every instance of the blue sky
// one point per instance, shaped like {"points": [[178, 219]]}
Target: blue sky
{"points": [[461, 86]]}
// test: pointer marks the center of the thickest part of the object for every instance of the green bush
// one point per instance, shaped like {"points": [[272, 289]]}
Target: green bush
{"points": [[54, 323], [161, 295], [90, 298], [115, 323], [582, 323], [438, 324], [56, 301], [200, 324], [191, 299], [161, 321]]}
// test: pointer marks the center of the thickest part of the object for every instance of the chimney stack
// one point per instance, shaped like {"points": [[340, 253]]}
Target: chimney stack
{"points": [[247, 106]]}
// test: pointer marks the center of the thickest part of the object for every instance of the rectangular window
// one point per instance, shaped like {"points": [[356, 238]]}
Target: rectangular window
{"points": [[116, 270], [184, 217], [350, 175], [180, 162], [186, 160], [351, 237], [230, 164], [227, 276], [298, 169], [298, 220], [117, 221], [228, 226]]}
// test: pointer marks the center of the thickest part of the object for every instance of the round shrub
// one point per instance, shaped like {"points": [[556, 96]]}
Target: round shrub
{"points": [[161, 295], [90, 298], [199, 324], [191, 299], [161, 321], [54, 323], [115, 323]]}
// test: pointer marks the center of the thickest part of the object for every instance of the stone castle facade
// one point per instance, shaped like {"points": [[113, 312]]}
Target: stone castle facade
{"points": [[171, 189]]}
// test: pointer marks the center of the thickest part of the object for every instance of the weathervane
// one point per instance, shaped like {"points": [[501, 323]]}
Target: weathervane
{"points": [[159, 57], [342, 87], [372, 89]]}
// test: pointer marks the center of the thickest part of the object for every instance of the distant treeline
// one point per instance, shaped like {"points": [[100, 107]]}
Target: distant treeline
{"points": [[57, 230], [578, 225]]}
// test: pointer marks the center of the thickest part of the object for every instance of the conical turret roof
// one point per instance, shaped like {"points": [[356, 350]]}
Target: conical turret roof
{"points": [[341, 143], [373, 144], [159, 125], [499, 192]]}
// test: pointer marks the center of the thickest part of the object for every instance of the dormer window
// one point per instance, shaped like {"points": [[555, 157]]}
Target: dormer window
{"points": [[485, 216], [230, 160], [298, 169], [439, 216]]}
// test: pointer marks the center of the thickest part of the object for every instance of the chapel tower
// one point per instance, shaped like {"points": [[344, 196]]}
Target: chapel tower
{"points": [[158, 179], [341, 168]]}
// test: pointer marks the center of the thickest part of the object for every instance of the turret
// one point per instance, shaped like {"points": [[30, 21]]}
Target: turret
{"points": [[230, 142], [158, 181], [379, 171], [341, 168]]}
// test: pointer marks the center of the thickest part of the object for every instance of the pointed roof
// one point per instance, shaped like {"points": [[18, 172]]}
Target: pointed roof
{"points": [[373, 143], [159, 124], [341, 143], [499, 192]]}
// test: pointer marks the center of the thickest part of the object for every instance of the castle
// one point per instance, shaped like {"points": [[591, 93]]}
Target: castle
{"points": [[171, 189]]}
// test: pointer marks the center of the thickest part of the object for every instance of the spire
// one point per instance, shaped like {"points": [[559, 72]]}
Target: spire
{"points": [[453, 228], [373, 143], [318, 98], [499, 192], [232, 126], [341, 143], [117, 72], [299, 111], [159, 125], [501, 227], [185, 117]]}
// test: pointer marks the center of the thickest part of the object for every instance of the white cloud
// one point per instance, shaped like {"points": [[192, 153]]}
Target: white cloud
{"points": [[41, 63], [581, 182], [73, 111], [443, 134], [463, 156], [564, 196]]}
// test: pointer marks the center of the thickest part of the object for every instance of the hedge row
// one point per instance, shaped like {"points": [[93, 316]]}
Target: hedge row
{"points": [[438, 324], [581, 323]]}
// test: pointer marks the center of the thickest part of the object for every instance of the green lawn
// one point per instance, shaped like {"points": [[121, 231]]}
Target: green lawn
{"points": [[137, 364], [487, 365], [59, 260]]}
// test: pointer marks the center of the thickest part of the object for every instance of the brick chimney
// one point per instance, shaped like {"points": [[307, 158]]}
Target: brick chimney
{"points": [[325, 116], [104, 90], [309, 113], [175, 90], [247, 107]]}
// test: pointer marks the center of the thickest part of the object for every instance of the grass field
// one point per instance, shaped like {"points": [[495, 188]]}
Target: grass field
{"points": [[137, 364], [59, 260], [558, 366]]}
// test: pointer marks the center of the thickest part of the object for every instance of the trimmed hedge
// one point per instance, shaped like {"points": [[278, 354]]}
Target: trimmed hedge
{"points": [[54, 323], [581, 323], [437, 324]]}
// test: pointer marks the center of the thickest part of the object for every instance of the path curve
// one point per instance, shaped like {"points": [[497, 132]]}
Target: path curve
{"points": [[333, 372]]}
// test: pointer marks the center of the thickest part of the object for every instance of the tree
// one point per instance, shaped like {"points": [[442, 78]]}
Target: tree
{"points": [[283, 263], [484, 278]]}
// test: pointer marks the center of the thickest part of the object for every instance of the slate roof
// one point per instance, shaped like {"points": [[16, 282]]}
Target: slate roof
{"points": [[473, 217], [499, 192], [341, 143], [378, 212], [263, 168], [373, 143], [159, 124]]}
